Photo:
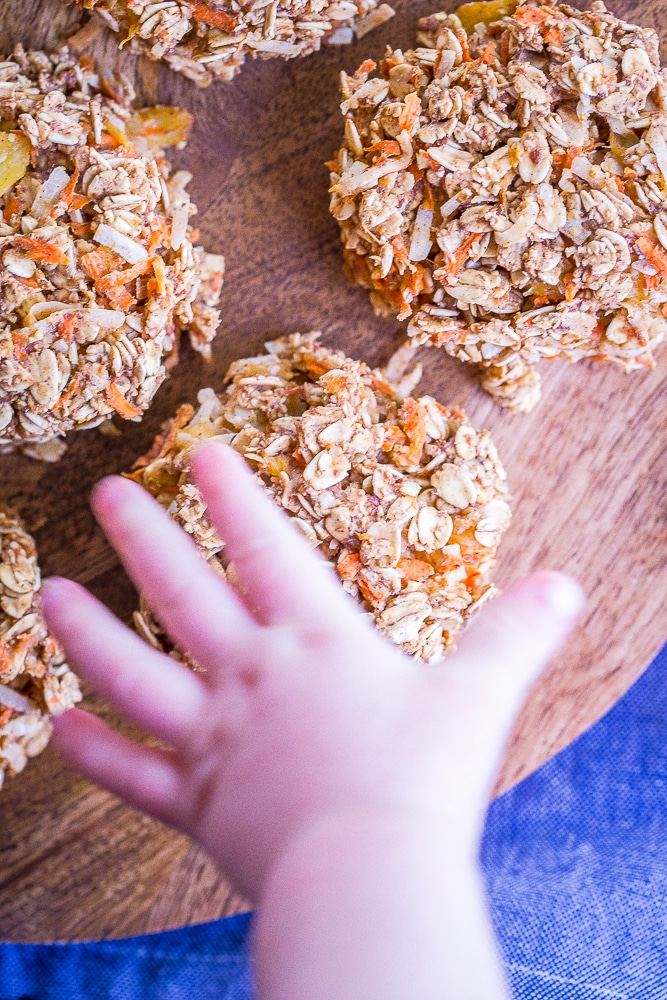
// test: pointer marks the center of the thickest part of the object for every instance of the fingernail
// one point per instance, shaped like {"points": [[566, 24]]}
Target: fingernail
{"points": [[562, 595]]}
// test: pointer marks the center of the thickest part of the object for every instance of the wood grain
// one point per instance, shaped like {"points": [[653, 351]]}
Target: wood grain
{"points": [[587, 470]]}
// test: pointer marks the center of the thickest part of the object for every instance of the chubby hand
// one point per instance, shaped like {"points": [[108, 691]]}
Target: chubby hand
{"points": [[303, 714]]}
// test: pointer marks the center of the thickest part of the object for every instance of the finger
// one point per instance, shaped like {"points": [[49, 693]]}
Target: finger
{"points": [[502, 654], [148, 688], [199, 610], [284, 579], [146, 777]]}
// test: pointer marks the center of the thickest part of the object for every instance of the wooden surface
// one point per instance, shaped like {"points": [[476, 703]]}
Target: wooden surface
{"points": [[587, 470]]}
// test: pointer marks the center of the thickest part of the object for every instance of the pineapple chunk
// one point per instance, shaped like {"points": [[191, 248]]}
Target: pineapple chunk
{"points": [[159, 127], [14, 159], [484, 12]]}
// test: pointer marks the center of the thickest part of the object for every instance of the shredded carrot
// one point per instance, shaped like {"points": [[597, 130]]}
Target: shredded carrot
{"points": [[65, 199], [400, 249], [463, 42], [374, 595], [367, 66], [540, 300], [316, 367], [654, 252], [414, 569], [553, 36], [386, 148], [379, 385], [386, 65], [82, 230], [73, 389], [505, 48], [459, 257], [15, 653], [98, 263], [488, 56], [66, 327], [41, 250], [348, 565], [531, 15], [122, 406], [160, 275], [115, 278], [393, 438], [13, 207], [121, 298], [163, 442], [216, 18], [427, 200], [571, 289], [159, 236], [19, 344], [413, 416], [410, 113]]}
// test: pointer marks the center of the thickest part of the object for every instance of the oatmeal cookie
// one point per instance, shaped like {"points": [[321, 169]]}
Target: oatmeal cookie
{"points": [[209, 41], [403, 496], [504, 187], [35, 682], [98, 272]]}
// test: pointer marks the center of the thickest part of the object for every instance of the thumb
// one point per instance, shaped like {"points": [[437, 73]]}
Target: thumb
{"points": [[505, 650]]}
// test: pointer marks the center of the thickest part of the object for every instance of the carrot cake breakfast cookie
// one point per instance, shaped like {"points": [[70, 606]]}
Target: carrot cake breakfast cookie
{"points": [[98, 272], [209, 41], [503, 186], [35, 682], [402, 495]]}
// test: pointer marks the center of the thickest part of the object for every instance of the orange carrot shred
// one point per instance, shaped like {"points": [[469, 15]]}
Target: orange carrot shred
{"points": [[122, 406], [414, 569], [348, 565], [66, 327], [115, 278], [654, 252], [41, 250], [216, 18], [459, 257]]}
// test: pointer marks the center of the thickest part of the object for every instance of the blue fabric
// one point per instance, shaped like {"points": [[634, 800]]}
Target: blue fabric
{"points": [[206, 962], [576, 865], [576, 859]]}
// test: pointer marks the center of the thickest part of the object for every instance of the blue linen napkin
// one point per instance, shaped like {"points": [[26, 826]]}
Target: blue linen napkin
{"points": [[575, 859]]}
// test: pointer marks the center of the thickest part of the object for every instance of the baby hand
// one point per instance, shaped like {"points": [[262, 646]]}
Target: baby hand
{"points": [[304, 722]]}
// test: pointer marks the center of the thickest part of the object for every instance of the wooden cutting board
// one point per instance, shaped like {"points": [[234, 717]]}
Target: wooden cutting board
{"points": [[587, 469]]}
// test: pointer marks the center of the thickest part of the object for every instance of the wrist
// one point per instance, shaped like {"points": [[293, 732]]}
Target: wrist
{"points": [[341, 904]]}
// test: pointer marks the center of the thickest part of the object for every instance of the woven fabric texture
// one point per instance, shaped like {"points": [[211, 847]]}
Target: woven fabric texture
{"points": [[575, 859]]}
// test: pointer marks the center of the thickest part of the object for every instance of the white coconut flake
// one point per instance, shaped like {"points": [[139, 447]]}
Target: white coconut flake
{"points": [[179, 226], [374, 19], [128, 249], [43, 310], [12, 699], [108, 319], [421, 242], [49, 192], [341, 36], [659, 147]]}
